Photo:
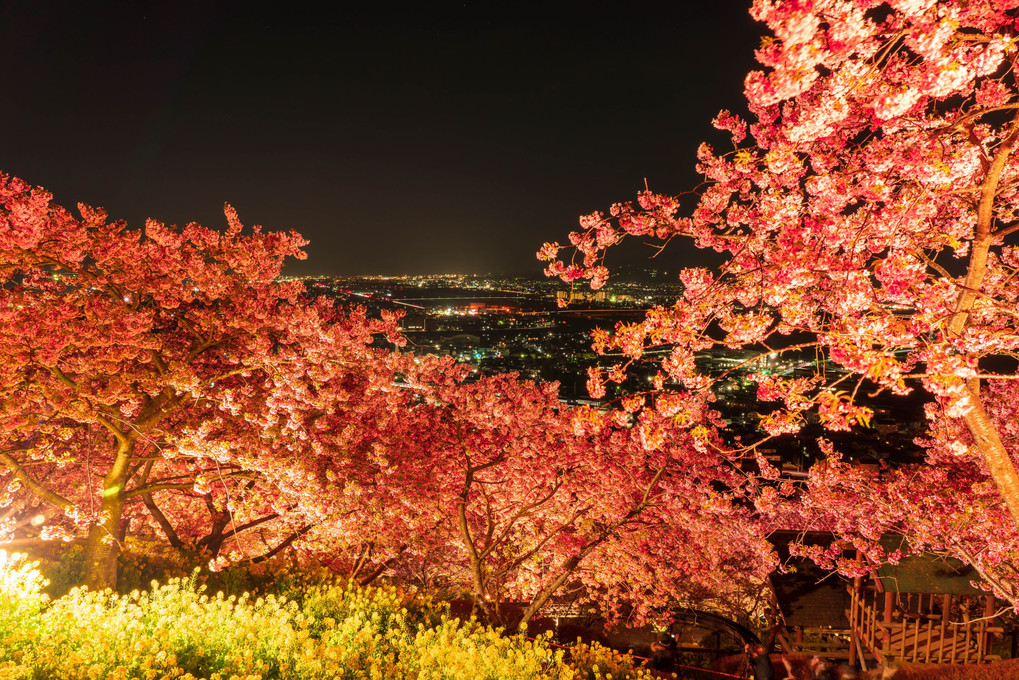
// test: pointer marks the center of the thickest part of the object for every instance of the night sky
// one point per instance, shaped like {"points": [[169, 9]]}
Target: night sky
{"points": [[453, 137]]}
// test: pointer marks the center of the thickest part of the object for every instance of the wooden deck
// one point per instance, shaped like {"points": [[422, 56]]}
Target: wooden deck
{"points": [[923, 627]]}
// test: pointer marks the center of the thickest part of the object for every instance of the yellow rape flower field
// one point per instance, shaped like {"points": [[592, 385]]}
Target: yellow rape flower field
{"points": [[177, 631]]}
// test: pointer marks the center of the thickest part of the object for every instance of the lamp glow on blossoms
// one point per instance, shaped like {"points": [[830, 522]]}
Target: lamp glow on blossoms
{"points": [[149, 376]]}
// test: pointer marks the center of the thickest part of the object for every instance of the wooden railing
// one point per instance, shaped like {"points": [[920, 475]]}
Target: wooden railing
{"points": [[923, 627]]}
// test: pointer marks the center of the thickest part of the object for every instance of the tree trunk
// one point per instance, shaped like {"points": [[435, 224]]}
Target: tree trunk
{"points": [[989, 444], [369, 578], [999, 463], [482, 608], [545, 594], [102, 548]]}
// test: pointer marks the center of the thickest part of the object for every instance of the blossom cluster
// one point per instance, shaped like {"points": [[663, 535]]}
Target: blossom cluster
{"points": [[866, 214]]}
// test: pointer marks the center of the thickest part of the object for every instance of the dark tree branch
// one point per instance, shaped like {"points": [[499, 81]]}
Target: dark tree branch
{"points": [[164, 523]]}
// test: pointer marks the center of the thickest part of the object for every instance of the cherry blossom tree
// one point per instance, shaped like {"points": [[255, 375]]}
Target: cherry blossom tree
{"points": [[502, 490], [869, 221], [146, 372], [948, 506], [163, 384]]}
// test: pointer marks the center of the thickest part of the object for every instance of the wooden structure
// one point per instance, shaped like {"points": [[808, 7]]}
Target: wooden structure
{"points": [[811, 605], [922, 610]]}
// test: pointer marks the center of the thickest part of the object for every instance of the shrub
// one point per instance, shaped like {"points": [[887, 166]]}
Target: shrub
{"points": [[597, 662], [335, 632], [21, 604]]}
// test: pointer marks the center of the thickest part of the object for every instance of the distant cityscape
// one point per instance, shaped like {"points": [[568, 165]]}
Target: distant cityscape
{"points": [[498, 324], [504, 324]]}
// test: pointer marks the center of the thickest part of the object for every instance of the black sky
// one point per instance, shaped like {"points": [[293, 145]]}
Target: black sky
{"points": [[454, 136]]}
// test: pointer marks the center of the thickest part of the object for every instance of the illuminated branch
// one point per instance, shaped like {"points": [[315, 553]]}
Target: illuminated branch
{"points": [[39, 490]]}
